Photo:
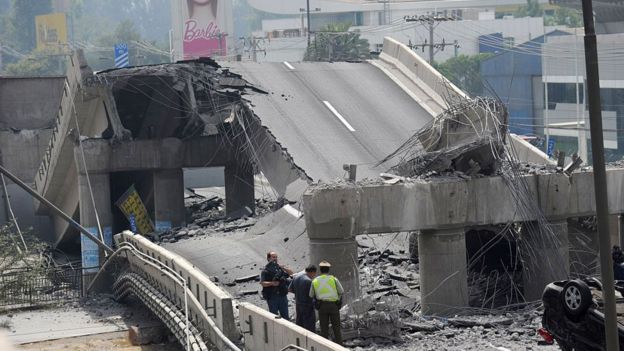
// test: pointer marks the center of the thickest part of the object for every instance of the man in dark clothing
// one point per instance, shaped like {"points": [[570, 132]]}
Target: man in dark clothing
{"points": [[304, 306], [274, 280]]}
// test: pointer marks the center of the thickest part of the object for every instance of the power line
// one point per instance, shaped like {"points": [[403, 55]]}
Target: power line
{"points": [[431, 22]]}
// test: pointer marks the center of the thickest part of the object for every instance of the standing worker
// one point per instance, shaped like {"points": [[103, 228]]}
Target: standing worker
{"points": [[304, 305], [327, 291], [274, 280]]}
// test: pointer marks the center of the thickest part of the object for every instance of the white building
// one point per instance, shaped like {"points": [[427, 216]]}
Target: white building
{"points": [[563, 67], [376, 12], [465, 33], [376, 19]]}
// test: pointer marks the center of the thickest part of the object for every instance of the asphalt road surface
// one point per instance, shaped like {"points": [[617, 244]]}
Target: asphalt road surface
{"points": [[330, 114]]}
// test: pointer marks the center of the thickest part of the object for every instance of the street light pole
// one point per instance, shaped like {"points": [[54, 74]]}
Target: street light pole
{"points": [[308, 10], [600, 177]]}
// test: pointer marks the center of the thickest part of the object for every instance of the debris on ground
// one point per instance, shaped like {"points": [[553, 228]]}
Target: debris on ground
{"points": [[208, 216]]}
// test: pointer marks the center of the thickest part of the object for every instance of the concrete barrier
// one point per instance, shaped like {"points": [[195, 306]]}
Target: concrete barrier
{"points": [[412, 65], [527, 152], [216, 303], [264, 331]]}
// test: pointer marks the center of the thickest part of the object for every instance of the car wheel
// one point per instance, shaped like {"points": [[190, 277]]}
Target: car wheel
{"points": [[564, 347], [576, 297]]}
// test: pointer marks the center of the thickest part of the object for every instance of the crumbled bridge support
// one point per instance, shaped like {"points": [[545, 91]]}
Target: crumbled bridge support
{"points": [[443, 287]]}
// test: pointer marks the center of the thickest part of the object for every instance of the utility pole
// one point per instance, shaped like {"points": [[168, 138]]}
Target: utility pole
{"points": [[431, 22], [254, 45], [307, 11], [386, 16], [255, 48], [600, 177]]}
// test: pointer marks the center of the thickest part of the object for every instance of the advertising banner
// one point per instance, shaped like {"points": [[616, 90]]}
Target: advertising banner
{"points": [[52, 32], [133, 208], [201, 28]]}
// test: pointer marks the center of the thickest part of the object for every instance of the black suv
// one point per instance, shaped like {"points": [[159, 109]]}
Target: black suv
{"points": [[573, 314]]}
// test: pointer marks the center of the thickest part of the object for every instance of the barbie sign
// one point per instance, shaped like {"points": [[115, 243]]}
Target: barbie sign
{"points": [[201, 27]]}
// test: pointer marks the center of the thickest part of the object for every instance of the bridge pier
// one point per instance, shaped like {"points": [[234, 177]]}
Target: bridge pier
{"points": [[98, 194], [545, 256], [168, 199], [239, 189], [343, 256], [443, 271]]}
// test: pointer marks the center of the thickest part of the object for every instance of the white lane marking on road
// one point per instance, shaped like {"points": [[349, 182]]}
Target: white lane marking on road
{"points": [[288, 65], [342, 119], [293, 211]]}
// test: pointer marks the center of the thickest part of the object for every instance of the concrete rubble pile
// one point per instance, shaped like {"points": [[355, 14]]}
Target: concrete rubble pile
{"points": [[387, 314], [183, 100], [468, 137], [207, 215]]}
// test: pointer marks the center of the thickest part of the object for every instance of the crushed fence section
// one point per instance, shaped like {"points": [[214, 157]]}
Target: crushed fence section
{"points": [[29, 287]]}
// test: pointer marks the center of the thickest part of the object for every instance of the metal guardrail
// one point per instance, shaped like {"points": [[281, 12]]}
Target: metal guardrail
{"points": [[31, 288]]}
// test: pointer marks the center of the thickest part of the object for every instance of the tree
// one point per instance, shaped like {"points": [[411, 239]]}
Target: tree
{"points": [[125, 32], [151, 18], [465, 72], [20, 26], [336, 43], [40, 63], [18, 265], [564, 17], [531, 9]]}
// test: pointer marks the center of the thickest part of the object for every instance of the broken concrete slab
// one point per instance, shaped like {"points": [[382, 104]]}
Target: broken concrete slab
{"points": [[146, 335]]}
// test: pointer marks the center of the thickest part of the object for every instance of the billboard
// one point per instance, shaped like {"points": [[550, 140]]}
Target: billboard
{"points": [[201, 28], [133, 208], [51, 32]]}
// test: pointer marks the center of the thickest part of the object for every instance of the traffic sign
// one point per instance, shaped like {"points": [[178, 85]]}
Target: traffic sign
{"points": [[121, 55]]}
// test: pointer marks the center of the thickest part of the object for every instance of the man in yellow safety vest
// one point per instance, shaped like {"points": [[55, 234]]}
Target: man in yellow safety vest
{"points": [[327, 291]]}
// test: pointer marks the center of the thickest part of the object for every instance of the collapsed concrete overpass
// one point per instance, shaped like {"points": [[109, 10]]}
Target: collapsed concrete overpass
{"points": [[99, 133]]}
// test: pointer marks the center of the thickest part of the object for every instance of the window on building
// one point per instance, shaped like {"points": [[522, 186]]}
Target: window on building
{"points": [[509, 42], [563, 93]]}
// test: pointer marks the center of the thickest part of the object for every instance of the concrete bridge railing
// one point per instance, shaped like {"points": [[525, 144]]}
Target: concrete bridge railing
{"points": [[261, 329], [264, 331], [409, 63], [432, 90], [216, 303], [62, 123]]}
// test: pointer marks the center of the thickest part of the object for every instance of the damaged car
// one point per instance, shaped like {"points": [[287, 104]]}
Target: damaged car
{"points": [[574, 314]]}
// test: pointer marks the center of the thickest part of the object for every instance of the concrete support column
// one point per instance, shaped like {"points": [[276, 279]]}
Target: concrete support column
{"points": [[343, 256], [583, 250], [545, 255], [614, 229], [239, 189], [92, 256], [443, 271], [168, 199], [620, 230]]}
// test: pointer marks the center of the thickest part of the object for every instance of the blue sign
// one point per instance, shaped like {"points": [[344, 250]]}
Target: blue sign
{"points": [[551, 147], [163, 226], [90, 252], [133, 226], [121, 56]]}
